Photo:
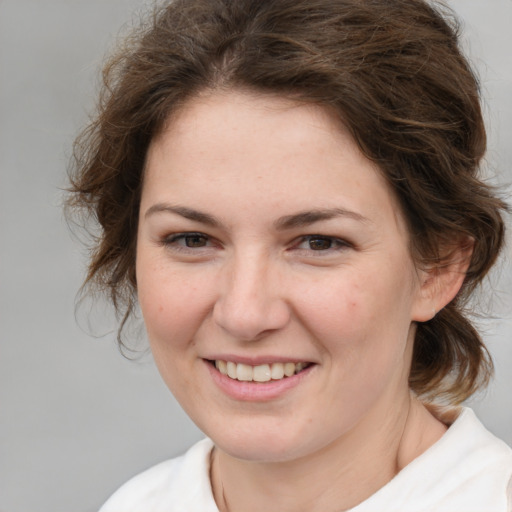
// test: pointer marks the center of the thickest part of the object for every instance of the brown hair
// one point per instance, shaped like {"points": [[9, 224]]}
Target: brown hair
{"points": [[393, 73]]}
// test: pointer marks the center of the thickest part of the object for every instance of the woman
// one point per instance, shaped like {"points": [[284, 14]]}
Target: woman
{"points": [[289, 190]]}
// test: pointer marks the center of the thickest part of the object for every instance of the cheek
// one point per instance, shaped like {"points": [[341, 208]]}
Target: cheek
{"points": [[173, 309], [363, 314], [340, 305], [172, 305]]}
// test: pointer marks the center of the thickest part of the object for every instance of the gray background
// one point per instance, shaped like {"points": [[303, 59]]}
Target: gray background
{"points": [[76, 419]]}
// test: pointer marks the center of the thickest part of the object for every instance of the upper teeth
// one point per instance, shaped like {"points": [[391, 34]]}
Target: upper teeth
{"points": [[259, 373]]}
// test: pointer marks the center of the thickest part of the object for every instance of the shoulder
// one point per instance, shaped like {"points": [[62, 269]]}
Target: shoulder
{"points": [[468, 469], [467, 442], [177, 484], [478, 466]]}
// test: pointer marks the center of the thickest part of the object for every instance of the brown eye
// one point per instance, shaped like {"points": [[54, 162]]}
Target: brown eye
{"points": [[322, 245], [319, 243], [185, 241], [195, 241]]}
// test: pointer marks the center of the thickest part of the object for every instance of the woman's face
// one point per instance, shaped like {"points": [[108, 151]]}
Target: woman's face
{"points": [[269, 246]]}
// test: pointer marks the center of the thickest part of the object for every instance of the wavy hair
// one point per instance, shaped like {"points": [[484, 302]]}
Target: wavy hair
{"points": [[391, 70]]}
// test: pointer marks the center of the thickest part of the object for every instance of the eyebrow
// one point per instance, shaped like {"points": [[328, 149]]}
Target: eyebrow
{"points": [[296, 220], [306, 218], [183, 211]]}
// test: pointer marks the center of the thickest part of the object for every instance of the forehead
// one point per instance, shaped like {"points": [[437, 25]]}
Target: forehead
{"points": [[212, 115], [266, 149]]}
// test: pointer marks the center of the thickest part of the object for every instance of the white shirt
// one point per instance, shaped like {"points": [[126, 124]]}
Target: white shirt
{"points": [[467, 470]]}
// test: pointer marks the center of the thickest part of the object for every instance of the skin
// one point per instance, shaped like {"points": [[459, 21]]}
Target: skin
{"points": [[247, 279]]}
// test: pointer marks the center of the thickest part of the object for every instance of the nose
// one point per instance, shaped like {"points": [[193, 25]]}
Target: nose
{"points": [[251, 302]]}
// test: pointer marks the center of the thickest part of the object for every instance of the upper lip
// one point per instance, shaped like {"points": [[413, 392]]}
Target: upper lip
{"points": [[256, 360]]}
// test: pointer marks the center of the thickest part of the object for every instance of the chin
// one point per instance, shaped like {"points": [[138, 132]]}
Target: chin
{"points": [[260, 449], [261, 442]]}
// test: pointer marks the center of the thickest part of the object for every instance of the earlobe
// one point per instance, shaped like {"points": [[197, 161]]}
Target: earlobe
{"points": [[441, 281]]}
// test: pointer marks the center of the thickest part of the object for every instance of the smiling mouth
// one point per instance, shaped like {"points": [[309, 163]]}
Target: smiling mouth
{"points": [[260, 373]]}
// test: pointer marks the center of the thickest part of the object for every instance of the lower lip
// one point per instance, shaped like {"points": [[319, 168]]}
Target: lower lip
{"points": [[256, 391]]}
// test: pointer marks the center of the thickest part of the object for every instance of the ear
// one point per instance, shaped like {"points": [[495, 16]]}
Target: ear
{"points": [[441, 281]]}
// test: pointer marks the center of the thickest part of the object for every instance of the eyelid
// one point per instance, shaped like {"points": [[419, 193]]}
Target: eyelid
{"points": [[339, 244], [170, 240]]}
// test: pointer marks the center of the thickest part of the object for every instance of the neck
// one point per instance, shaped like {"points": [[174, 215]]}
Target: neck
{"points": [[336, 478]]}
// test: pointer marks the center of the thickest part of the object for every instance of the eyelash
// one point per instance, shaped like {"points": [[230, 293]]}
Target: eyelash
{"points": [[172, 241], [334, 244]]}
